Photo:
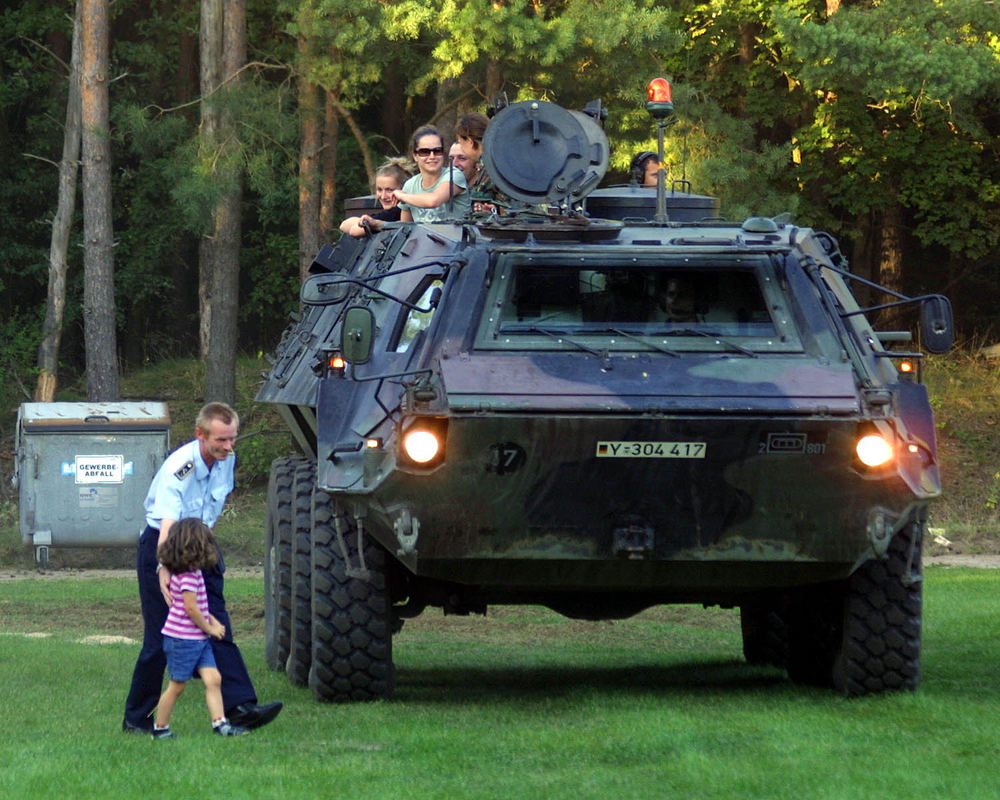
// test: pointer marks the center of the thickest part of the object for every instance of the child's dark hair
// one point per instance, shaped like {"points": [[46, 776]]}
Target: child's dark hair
{"points": [[190, 545]]}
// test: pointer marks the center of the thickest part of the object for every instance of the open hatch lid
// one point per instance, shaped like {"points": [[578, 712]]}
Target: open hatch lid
{"points": [[538, 152]]}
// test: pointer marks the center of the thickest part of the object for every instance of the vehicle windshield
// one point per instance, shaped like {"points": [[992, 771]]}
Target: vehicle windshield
{"points": [[638, 300], [624, 300]]}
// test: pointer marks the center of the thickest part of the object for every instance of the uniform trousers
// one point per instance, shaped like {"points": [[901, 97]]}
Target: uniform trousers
{"points": [[147, 678]]}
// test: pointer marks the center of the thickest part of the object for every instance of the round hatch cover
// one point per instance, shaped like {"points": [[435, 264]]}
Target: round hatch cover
{"points": [[538, 152]]}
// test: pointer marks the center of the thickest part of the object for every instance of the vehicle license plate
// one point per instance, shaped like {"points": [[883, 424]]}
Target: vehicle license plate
{"points": [[651, 449]]}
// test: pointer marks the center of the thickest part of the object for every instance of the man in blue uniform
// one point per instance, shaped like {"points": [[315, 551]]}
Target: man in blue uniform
{"points": [[194, 481]]}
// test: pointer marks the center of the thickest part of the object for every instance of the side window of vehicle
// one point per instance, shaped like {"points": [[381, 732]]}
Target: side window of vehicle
{"points": [[417, 321]]}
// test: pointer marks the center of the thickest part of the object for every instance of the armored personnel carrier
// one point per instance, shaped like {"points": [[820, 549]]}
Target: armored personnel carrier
{"points": [[597, 415]]}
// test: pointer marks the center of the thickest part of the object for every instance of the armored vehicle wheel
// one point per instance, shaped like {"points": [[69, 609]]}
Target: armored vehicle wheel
{"points": [[300, 639], [765, 634], [352, 633], [880, 650], [278, 561], [864, 636]]}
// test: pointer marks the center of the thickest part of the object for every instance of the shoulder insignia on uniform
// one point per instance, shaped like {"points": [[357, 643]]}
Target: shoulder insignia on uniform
{"points": [[183, 472]]}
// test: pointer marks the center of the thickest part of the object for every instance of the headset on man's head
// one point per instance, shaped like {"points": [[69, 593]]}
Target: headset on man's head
{"points": [[637, 170]]}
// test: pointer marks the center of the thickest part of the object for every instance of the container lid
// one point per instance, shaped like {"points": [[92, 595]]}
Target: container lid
{"points": [[57, 417], [538, 152]]}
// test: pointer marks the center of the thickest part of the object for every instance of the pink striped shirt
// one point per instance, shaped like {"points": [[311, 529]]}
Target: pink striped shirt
{"points": [[179, 625]]}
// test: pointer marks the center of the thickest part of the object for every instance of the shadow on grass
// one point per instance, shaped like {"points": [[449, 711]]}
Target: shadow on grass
{"points": [[536, 684]]}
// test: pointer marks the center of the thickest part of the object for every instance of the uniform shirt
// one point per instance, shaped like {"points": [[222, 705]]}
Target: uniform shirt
{"points": [[456, 208], [179, 625], [185, 487]]}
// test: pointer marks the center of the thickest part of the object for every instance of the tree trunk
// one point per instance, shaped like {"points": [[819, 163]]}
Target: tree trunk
{"points": [[100, 342], [494, 80], [186, 75], [48, 349], [359, 137], [220, 372], [393, 108], [864, 246], [746, 53], [329, 217], [310, 112], [891, 257], [210, 48], [448, 92]]}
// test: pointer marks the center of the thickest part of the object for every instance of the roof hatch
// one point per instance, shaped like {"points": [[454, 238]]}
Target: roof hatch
{"points": [[538, 152]]}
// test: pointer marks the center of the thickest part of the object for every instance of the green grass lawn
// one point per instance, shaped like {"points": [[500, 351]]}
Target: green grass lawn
{"points": [[520, 704]]}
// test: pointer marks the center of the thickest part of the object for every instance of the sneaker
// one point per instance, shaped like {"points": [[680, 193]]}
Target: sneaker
{"points": [[164, 733], [228, 729]]}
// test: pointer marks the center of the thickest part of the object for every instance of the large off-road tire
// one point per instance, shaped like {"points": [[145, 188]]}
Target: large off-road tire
{"points": [[863, 636], [300, 640], [278, 561], [765, 633], [880, 648], [352, 629]]}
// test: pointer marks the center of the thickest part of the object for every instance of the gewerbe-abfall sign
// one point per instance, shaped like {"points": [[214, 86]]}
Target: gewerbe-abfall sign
{"points": [[100, 469]]}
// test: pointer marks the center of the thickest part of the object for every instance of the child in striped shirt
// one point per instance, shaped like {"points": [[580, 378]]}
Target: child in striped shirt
{"points": [[190, 548]]}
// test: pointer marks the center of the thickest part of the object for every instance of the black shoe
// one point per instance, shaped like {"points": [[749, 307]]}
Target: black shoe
{"points": [[251, 715], [131, 727]]}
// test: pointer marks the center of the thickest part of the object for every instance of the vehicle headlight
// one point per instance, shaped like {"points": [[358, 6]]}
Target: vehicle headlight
{"points": [[873, 450], [421, 446]]}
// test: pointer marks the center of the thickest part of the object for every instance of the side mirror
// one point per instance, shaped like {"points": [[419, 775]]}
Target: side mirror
{"points": [[357, 335], [435, 299], [325, 289], [937, 326]]}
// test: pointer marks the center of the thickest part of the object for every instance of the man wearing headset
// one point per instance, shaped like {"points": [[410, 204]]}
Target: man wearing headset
{"points": [[644, 167]]}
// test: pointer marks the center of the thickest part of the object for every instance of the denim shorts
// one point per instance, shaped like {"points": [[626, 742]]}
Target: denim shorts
{"points": [[186, 656]]}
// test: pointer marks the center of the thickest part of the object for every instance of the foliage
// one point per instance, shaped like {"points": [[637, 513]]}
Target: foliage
{"points": [[779, 108], [30, 144], [965, 391], [718, 153], [567, 51], [344, 37], [20, 333], [900, 89]]}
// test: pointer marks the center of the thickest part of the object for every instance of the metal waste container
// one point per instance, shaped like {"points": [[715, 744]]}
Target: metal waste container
{"points": [[83, 470]]}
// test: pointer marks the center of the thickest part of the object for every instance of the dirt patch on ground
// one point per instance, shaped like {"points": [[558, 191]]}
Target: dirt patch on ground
{"points": [[988, 561]]}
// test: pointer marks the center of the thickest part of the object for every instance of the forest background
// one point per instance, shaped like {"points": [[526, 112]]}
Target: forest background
{"points": [[232, 131], [876, 120]]}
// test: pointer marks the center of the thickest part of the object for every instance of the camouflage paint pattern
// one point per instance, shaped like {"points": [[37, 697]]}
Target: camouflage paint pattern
{"points": [[682, 467]]}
